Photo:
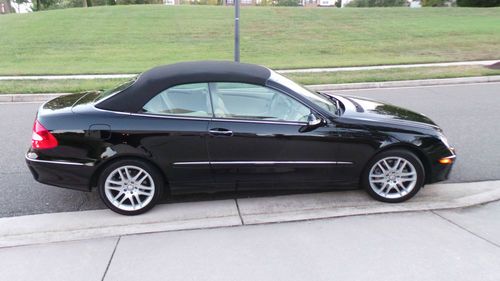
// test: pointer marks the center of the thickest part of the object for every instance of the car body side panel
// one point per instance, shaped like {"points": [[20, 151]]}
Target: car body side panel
{"points": [[162, 141]]}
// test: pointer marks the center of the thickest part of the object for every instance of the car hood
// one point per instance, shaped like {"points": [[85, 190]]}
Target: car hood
{"points": [[363, 108]]}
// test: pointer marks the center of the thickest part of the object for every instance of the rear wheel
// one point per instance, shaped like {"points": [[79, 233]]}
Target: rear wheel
{"points": [[130, 187], [394, 176]]}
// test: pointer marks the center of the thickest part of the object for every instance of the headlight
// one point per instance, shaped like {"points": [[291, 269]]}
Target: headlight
{"points": [[445, 141]]}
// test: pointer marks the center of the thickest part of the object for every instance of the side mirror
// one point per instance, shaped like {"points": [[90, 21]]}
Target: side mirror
{"points": [[313, 122]]}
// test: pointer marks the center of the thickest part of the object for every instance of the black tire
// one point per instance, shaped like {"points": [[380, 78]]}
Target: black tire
{"points": [[401, 153], [155, 182]]}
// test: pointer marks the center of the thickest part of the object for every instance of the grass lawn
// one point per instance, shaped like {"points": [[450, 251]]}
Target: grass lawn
{"points": [[130, 39], [392, 74], [74, 86], [56, 86]]}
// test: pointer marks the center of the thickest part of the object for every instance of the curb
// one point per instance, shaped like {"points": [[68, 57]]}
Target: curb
{"points": [[322, 87], [70, 226], [406, 83], [30, 97]]}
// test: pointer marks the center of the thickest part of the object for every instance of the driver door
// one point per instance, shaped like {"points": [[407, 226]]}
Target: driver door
{"points": [[256, 140]]}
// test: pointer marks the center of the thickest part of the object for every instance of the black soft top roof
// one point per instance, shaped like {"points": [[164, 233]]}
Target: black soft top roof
{"points": [[155, 80]]}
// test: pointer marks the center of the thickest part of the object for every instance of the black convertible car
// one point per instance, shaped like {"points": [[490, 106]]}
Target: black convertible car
{"points": [[222, 126]]}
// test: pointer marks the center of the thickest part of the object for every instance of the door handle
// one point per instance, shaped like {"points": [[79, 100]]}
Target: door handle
{"points": [[220, 132]]}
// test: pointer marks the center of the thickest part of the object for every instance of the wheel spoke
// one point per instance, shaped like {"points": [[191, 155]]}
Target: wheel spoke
{"points": [[407, 180], [388, 189], [131, 199], [115, 182], [140, 192], [144, 187], [398, 190], [136, 195], [408, 174], [402, 186], [388, 167], [122, 177], [122, 200], [118, 195], [137, 175], [117, 188], [396, 164], [127, 173], [142, 179], [402, 167], [381, 168]]}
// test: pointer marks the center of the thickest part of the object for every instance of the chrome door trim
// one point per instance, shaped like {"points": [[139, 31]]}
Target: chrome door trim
{"points": [[262, 163], [58, 162]]}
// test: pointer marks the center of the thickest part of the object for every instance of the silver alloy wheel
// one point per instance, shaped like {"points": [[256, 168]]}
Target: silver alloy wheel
{"points": [[393, 177], [129, 188]]}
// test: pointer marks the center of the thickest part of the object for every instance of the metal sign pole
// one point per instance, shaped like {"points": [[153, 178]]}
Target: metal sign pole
{"points": [[237, 30]]}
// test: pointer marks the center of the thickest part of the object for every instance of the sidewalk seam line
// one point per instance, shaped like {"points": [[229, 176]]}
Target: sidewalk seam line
{"points": [[465, 229], [111, 258], [239, 212]]}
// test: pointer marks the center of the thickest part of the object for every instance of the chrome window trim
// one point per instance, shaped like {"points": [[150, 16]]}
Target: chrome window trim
{"points": [[111, 111], [259, 122], [171, 116], [117, 92], [201, 118], [59, 162], [262, 163]]}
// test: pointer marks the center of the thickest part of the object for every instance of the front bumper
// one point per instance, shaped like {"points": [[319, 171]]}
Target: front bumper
{"points": [[440, 171], [61, 173]]}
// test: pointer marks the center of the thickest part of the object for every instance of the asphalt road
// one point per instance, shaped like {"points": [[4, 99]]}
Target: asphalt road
{"points": [[468, 114]]}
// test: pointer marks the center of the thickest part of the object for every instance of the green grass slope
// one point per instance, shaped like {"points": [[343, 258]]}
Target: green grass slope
{"points": [[123, 39]]}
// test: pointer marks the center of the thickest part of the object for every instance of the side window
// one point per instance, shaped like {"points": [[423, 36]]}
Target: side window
{"points": [[183, 100], [247, 101]]}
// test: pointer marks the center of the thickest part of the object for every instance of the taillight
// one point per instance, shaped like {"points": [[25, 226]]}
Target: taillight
{"points": [[42, 138]]}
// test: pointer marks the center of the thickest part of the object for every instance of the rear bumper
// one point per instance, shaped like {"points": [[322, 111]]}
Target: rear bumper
{"points": [[62, 174]]}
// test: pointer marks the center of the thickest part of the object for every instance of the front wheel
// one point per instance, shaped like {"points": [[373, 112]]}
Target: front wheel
{"points": [[394, 176], [130, 187]]}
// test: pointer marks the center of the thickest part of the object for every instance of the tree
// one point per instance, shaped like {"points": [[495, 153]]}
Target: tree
{"points": [[8, 6], [478, 3], [44, 4]]}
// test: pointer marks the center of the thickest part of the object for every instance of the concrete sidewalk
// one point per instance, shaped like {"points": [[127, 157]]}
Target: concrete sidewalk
{"points": [[459, 244], [56, 227], [284, 71]]}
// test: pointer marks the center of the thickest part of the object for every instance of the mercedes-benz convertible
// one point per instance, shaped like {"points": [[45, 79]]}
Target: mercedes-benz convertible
{"points": [[221, 126]]}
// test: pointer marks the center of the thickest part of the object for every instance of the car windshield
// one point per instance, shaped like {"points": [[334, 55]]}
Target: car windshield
{"points": [[116, 89], [322, 101]]}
